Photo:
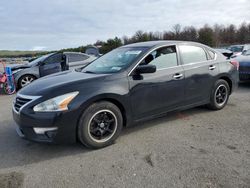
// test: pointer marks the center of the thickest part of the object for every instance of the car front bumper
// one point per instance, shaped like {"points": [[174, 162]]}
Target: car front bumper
{"points": [[56, 127]]}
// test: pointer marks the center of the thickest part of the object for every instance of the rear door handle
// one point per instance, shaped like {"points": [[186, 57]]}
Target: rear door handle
{"points": [[178, 76], [212, 67]]}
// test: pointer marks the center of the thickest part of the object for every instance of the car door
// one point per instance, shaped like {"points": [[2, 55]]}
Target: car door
{"points": [[200, 72], [155, 93], [51, 65]]}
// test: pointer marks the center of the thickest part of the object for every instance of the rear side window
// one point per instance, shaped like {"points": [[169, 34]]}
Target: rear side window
{"points": [[77, 57], [192, 54]]}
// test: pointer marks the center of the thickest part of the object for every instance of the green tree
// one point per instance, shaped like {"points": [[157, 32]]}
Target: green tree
{"points": [[111, 44], [206, 36]]}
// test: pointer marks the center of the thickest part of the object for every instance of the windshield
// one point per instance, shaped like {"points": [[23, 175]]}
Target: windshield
{"points": [[236, 48], [114, 61], [39, 59]]}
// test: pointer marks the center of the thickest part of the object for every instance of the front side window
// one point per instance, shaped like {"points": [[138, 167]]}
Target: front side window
{"points": [[115, 60], [192, 54], [162, 58], [56, 58]]}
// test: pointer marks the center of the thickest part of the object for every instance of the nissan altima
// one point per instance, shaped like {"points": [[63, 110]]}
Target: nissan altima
{"points": [[130, 84]]}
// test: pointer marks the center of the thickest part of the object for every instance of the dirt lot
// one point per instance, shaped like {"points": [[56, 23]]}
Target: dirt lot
{"points": [[195, 148]]}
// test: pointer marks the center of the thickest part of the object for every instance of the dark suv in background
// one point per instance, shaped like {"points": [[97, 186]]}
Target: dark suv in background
{"points": [[49, 64]]}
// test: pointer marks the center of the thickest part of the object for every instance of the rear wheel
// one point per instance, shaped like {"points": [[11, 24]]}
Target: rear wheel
{"points": [[25, 80], [219, 95], [100, 125]]}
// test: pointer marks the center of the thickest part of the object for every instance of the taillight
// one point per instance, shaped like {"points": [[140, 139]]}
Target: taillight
{"points": [[235, 63]]}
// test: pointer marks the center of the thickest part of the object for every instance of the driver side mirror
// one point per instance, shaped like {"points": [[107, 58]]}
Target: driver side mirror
{"points": [[42, 63], [247, 52], [143, 69], [244, 52]]}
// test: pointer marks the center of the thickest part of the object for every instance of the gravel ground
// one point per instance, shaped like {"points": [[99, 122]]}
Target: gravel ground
{"points": [[194, 148]]}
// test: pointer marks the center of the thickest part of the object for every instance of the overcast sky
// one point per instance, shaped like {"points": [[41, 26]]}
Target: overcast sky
{"points": [[56, 24]]}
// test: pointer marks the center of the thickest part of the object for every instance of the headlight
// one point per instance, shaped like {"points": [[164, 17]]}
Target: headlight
{"points": [[59, 103]]}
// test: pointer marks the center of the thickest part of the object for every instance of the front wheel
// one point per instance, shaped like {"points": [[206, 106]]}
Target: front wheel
{"points": [[219, 95], [25, 80], [99, 125]]}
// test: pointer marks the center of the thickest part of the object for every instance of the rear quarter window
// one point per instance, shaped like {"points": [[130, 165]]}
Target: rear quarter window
{"points": [[211, 54]]}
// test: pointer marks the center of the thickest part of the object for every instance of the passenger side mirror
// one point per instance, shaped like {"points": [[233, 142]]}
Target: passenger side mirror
{"points": [[142, 69]]}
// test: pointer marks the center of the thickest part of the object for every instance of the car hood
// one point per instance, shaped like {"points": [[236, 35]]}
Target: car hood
{"points": [[18, 66], [67, 81]]}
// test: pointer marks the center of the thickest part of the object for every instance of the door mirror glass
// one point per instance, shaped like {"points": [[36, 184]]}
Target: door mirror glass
{"points": [[143, 69]]}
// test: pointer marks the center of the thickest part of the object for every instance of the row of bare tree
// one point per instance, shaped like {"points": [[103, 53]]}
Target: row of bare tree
{"points": [[214, 36]]}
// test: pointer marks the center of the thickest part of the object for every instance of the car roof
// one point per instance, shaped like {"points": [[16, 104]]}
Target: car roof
{"points": [[151, 44]]}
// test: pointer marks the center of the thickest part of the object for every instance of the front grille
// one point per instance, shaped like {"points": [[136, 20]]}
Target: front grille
{"points": [[19, 102]]}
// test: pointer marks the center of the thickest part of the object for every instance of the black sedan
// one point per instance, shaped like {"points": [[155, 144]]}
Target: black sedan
{"points": [[129, 84]]}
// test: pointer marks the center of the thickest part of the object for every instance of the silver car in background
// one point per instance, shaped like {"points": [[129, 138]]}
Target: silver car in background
{"points": [[48, 64]]}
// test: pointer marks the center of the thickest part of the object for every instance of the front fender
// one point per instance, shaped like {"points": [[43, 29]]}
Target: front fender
{"points": [[31, 71]]}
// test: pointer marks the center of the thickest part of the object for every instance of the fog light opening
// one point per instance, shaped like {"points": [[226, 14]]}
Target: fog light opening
{"points": [[50, 134], [44, 130]]}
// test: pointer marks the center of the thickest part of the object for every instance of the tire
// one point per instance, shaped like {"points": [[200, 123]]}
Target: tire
{"points": [[7, 90], [100, 125], [219, 95], [25, 78]]}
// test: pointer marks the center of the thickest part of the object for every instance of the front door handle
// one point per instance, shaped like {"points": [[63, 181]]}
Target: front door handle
{"points": [[178, 76], [212, 67]]}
